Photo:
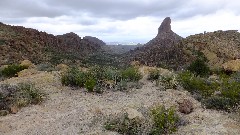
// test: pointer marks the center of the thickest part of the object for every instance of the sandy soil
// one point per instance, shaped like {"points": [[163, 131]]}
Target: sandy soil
{"points": [[73, 112]]}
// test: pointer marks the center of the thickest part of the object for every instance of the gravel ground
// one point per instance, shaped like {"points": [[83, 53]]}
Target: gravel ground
{"points": [[76, 112]]}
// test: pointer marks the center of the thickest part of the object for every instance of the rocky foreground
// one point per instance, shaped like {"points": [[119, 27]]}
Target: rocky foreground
{"points": [[74, 111]]}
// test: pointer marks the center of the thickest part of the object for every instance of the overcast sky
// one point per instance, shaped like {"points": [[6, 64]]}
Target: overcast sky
{"points": [[121, 20]]}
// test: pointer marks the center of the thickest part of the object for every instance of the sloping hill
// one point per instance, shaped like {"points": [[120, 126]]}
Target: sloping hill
{"points": [[19, 43], [218, 47]]}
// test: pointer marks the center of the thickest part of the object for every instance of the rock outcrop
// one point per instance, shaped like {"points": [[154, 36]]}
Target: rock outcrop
{"points": [[165, 26], [163, 50]]}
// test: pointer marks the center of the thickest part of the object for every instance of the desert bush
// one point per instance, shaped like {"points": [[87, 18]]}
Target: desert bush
{"points": [[124, 125], [230, 88], [219, 103], [27, 94], [154, 74], [45, 67], [199, 68], [74, 77], [165, 121], [122, 85], [168, 82], [236, 76], [131, 74], [157, 121], [19, 95], [97, 72], [12, 70], [112, 74], [197, 85], [90, 84]]}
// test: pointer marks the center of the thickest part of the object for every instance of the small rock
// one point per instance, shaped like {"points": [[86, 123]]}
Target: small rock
{"points": [[26, 63], [14, 109], [185, 106], [132, 113]]}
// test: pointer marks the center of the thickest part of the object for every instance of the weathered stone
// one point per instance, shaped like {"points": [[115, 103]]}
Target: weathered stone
{"points": [[185, 106], [26, 63], [14, 109], [132, 113], [165, 26]]}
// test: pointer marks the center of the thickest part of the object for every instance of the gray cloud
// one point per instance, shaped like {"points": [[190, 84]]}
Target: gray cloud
{"points": [[118, 10], [105, 16]]}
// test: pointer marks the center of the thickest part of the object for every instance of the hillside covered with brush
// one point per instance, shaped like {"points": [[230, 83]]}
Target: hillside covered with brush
{"points": [[18, 43]]}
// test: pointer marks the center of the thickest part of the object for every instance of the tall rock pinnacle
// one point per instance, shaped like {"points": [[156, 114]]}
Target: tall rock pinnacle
{"points": [[165, 26]]}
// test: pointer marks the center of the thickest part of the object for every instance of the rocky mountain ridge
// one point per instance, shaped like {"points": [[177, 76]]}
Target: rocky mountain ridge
{"points": [[18, 43]]}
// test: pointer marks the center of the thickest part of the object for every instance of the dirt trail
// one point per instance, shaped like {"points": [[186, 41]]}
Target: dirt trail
{"points": [[73, 112]]}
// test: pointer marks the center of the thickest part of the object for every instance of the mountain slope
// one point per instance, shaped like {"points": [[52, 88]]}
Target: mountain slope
{"points": [[218, 47], [19, 43]]}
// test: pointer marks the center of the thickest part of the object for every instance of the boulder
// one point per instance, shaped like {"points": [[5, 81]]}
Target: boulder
{"points": [[185, 106], [132, 113], [26, 63]]}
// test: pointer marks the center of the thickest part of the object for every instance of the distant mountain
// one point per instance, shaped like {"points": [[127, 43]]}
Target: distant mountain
{"points": [[18, 43], [163, 50], [123, 43], [170, 50], [119, 49], [94, 40]]}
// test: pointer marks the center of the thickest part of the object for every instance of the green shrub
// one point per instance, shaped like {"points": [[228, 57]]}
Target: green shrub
{"points": [[154, 74], [112, 74], [231, 89], [165, 120], [74, 77], [122, 85], [197, 85], [90, 84], [124, 125], [27, 94], [97, 72], [219, 103], [12, 70], [20, 95], [131, 74], [168, 82], [228, 86], [199, 68]]}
